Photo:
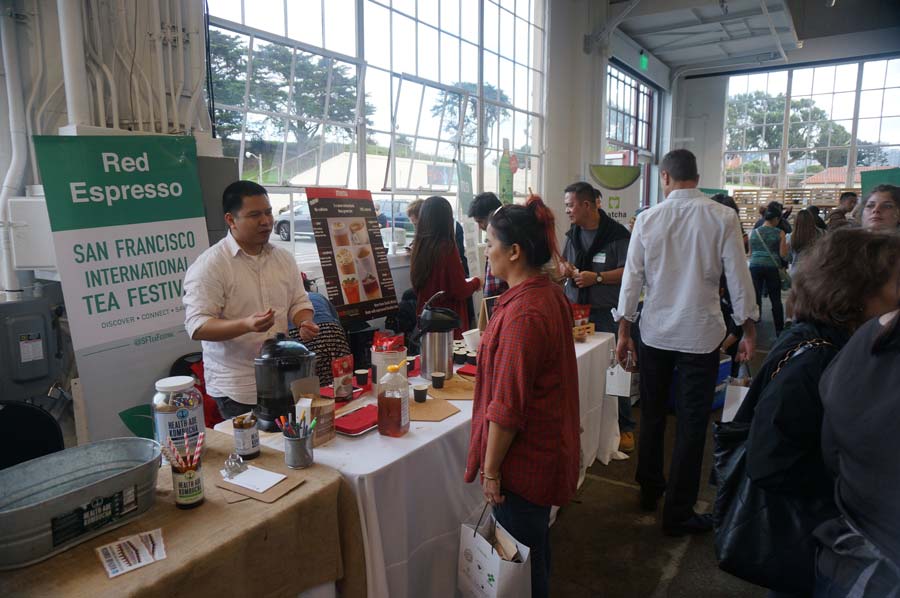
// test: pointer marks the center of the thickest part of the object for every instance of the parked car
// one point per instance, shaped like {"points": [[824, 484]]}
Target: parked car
{"points": [[302, 222]]}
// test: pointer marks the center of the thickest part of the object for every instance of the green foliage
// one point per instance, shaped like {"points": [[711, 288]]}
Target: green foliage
{"points": [[449, 104], [754, 121], [271, 91]]}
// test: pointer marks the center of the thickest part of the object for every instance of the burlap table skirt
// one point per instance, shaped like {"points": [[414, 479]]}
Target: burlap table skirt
{"points": [[310, 536]]}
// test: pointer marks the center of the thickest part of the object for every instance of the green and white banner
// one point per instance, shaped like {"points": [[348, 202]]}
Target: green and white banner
{"points": [[621, 188], [127, 221]]}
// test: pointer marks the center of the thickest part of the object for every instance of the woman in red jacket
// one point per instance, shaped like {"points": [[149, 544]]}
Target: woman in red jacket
{"points": [[525, 443], [435, 264]]}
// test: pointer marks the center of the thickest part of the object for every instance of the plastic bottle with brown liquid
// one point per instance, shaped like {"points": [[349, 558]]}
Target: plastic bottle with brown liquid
{"points": [[393, 403]]}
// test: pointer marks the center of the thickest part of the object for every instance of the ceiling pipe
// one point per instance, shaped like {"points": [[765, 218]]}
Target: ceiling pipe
{"points": [[71, 39], [155, 30], [12, 182], [36, 85]]}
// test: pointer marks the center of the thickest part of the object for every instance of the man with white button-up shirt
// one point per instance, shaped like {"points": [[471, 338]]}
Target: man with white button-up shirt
{"points": [[240, 292], [677, 253]]}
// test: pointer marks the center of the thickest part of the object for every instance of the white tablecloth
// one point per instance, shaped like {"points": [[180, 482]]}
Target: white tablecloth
{"points": [[410, 492]]}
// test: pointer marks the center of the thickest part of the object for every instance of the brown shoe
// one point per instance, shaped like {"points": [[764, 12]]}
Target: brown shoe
{"points": [[626, 442]]}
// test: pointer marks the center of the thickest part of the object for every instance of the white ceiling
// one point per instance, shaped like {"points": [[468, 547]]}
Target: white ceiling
{"points": [[702, 32]]}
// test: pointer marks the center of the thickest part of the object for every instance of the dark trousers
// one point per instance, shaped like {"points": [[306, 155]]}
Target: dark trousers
{"points": [[694, 395], [768, 277], [229, 408], [529, 524]]}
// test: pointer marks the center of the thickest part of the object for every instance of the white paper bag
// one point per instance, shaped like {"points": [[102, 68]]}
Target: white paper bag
{"points": [[620, 383], [481, 573]]}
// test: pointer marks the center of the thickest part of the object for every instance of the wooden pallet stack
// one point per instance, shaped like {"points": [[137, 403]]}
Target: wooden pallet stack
{"points": [[749, 201]]}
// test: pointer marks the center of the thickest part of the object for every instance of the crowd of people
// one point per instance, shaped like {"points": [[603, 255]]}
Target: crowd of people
{"points": [[683, 285]]}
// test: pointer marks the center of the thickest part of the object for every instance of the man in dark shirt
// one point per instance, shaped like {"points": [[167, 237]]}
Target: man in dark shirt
{"points": [[481, 209], [595, 251], [837, 218]]}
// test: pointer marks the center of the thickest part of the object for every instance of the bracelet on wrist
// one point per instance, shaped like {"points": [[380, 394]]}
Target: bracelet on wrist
{"points": [[495, 478]]}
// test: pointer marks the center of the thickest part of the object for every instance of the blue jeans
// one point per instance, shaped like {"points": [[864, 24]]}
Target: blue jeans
{"points": [[529, 524]]}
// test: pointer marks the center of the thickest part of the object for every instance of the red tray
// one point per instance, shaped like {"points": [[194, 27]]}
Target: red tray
{"points": [[357, 421]]}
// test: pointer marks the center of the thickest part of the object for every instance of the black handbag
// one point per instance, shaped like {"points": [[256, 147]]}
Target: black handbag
{"points": [[762, 537]]}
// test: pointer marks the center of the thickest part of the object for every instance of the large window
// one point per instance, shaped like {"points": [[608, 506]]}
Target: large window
{"points": [[379, 94], [812, 127], [630, 124]]}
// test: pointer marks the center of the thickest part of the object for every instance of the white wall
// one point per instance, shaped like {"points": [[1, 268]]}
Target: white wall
{"points": [[698, 124]]}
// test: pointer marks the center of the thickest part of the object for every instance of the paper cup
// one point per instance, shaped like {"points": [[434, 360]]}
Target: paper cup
{"points": [[472, 338]]}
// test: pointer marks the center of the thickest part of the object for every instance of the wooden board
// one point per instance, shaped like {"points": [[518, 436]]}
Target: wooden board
{"points": [[456, 388], [432, 410]]}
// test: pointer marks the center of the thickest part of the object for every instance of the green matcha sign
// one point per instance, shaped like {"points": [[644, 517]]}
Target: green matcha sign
{"points": [[127, 221], [620, 186]]}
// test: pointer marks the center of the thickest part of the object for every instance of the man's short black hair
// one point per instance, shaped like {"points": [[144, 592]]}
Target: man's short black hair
{"points": [[234, 194], [681, 165], [484, 205], [583, 191], [848, 195]]}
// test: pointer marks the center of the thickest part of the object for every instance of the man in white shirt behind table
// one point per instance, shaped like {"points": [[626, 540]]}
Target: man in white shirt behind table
{"points": [[240, 292], [677, 253]]}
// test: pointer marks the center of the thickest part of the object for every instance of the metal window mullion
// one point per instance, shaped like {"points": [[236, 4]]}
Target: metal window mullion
{"points": [[392, 163], [322, 9], [361, 127], [415, 138], [246, 103], [281, 40], [324, 117], [785, 133], [437, 146], [287, 124], [463, 106], [304, 117], [480, 112], [853, 153], [362, 133]]}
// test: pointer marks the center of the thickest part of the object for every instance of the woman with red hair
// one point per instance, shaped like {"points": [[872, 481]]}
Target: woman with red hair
{"points": [[525, 443]]}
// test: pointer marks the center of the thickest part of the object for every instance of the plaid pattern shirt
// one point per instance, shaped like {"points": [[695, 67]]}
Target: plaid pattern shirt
{"points": [[492, 285], [528, 380]]}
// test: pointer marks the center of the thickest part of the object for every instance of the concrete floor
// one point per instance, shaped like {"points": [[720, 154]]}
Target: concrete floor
{"points": [[604, 546]]}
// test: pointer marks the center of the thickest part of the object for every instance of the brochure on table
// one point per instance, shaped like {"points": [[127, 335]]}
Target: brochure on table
{"points": [[127, 221], [353, 258]]}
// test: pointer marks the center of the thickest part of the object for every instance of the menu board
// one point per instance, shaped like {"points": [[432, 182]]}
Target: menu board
{"points": [[354, 260]]}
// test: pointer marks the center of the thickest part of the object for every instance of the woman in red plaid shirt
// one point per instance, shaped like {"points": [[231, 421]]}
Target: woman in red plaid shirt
{"points": [[525, 424]]}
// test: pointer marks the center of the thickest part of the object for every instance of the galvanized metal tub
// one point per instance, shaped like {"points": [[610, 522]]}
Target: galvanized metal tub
{"points": [[54, 502]]}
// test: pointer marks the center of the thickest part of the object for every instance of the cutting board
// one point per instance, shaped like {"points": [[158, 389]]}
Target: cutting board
{"points": [[455, 389], [432, 410]]}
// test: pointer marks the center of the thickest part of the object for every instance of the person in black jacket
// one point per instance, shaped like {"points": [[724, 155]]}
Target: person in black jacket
{"points": [[833, 294], [861, 548]]}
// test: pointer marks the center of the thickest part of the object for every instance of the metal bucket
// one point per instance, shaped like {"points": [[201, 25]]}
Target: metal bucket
{"points": [[52, 503]]}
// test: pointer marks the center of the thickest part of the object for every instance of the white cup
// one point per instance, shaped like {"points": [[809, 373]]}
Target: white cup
{"points": [[472, 338]]}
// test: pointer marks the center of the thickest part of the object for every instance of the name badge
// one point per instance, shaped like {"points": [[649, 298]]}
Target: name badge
{"points": [[600, 258]]}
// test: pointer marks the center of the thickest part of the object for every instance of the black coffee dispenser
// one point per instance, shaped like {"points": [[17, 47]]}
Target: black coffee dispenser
{"points": [[281, 361]]}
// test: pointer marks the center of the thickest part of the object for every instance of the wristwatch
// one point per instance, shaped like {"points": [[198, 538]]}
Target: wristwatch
{"points": [[599, 277]]}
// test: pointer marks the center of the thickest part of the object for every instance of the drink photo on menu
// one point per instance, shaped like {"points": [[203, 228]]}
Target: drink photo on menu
{"points": [[368, 274], [358, 233]]}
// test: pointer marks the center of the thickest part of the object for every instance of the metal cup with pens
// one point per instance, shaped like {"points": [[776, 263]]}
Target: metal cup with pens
{"points": [[298, 440]]}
